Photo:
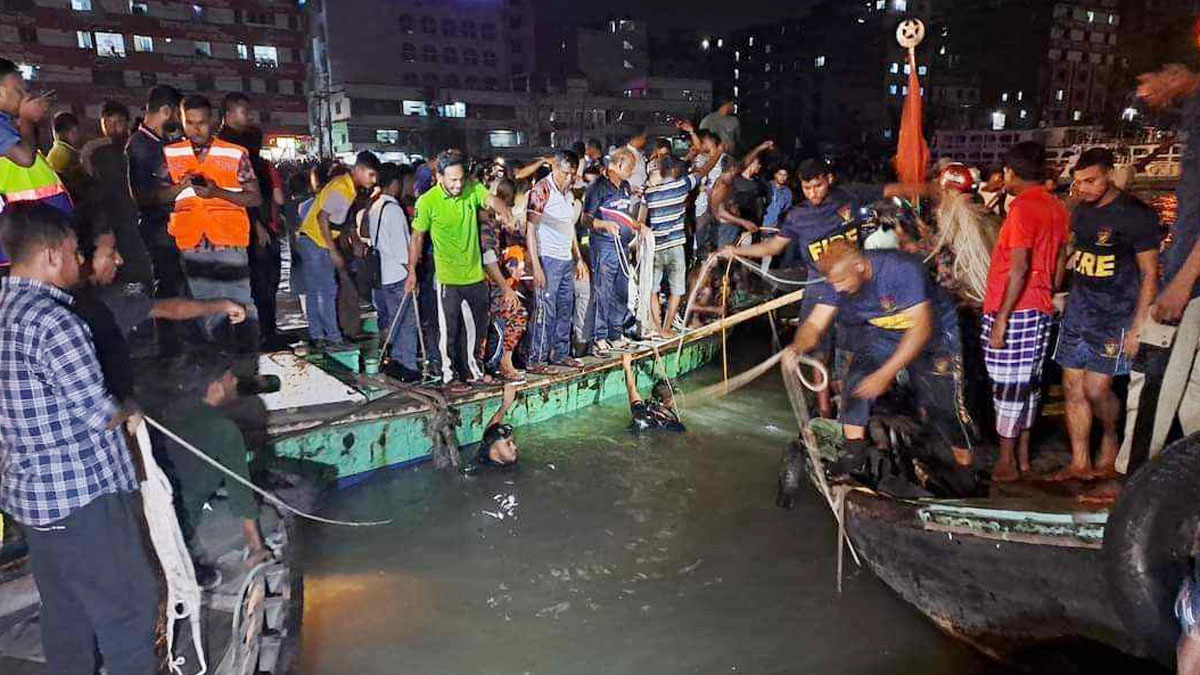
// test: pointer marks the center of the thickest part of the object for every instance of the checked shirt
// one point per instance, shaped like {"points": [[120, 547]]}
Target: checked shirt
{"points": [[56, 454]]}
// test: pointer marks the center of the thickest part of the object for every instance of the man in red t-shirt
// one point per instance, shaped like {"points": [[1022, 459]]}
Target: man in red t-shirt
{"points": [[1027, 265]]}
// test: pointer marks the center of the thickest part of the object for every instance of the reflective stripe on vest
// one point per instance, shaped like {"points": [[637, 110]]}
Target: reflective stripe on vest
{"points": [[194, 219]]}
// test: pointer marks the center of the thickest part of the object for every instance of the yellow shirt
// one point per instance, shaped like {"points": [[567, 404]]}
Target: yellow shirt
{"points": [[335, 200]]}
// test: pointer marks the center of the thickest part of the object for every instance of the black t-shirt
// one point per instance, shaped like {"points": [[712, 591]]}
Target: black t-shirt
{"points": [[1105, 242], [111, 317], [148, 172], [747, 195], [649, 415], [814, 228]]}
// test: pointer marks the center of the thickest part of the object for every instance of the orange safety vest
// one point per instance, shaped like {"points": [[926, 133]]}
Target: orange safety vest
{"points": [[195, 219]]}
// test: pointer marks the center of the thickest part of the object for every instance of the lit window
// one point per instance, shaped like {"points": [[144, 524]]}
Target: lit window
{"points": [[628, 47], [737, 56], [766, 67], [900, 5], [387, 136], [84, 39], [456, 109], [736, 73], [767, 49], [81, 5], [751, 40], [1059, 95], [139, 8], [895, 68], [942, 50], [1024, 113], [1020, 96], [203, 48], [266, 56], [998, 121], [627, 65], [907, 69], [720, 42], [703, 44], [880, 4], [110, 44], [503, 138], [198, 11], [243, 52], [887, 134], [922, 70], [143, 43], [1091, 17], [1004, 97], [735, 91], [893, 90], [1076, 116], [819, 61], [414, 108]]}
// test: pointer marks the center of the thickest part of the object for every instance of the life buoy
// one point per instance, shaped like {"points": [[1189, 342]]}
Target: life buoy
{"points": [[1148, 543]]}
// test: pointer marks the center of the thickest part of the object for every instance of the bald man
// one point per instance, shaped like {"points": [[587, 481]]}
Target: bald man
{"points": [[898, 320]]}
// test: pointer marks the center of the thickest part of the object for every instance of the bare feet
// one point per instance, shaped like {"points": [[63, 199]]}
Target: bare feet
{"points": [[1102, 494], [962, 456], [1068, 473], [1005, 473]]}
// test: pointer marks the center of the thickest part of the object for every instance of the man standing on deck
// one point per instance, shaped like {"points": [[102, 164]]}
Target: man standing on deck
{"points": [[214, 184], [1114, 262], [448, 213], [66, 473], [827, 215], [1027, 263], [607, 212], [900, 321]]}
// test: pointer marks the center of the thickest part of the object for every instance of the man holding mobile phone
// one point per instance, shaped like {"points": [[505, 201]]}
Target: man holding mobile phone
{"points": [[25, 175]]}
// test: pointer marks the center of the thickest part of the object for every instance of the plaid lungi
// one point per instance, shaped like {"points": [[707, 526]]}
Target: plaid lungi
{"points": [[1016, 370]]}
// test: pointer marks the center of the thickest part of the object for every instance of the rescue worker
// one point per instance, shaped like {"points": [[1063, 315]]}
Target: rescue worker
{"points": [[899, 321], [214, 185]]}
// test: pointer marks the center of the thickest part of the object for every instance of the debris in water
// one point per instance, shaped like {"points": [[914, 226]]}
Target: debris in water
{"points": [[691, 568], [507, 504], [552, 467], [554, 609], [771, 427], [497, 516], [645, 608]]}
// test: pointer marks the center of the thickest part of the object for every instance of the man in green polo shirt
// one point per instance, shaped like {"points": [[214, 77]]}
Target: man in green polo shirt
{"points": [[448, 212]]}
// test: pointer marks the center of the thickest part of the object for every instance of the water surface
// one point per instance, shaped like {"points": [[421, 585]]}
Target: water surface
{"points": [[657, 554]]}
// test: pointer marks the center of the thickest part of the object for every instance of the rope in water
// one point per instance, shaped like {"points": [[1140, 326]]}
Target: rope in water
{"points": [[271, 498]]}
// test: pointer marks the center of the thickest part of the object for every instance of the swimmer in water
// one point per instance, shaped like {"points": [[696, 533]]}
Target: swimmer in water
{"points": [[657, 413], [499, 447]]}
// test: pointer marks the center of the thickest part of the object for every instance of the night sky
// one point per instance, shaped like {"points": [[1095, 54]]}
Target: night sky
{"points": [[726, 15]]}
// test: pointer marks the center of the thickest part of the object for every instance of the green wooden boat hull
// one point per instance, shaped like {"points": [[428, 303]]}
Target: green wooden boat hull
{"points": [[354, 448]]}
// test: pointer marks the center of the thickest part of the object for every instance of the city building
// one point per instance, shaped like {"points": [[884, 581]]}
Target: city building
{"points": [[90, 51], [414, 77]]}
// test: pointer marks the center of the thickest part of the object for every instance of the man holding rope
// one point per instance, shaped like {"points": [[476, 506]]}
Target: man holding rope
{"points": [[900, 321]]}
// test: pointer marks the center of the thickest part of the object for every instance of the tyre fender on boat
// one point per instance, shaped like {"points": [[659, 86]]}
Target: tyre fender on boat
{"points": [[1149, 542]]}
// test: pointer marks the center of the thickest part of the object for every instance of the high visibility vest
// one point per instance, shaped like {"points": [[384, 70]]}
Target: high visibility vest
{"points": [[37, 183], [343, 185], [194, 218]]}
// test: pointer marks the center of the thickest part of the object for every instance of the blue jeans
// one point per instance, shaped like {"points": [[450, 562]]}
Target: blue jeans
{"points": [[320, 284], [551, 335], [610, 291], [389, 300]]}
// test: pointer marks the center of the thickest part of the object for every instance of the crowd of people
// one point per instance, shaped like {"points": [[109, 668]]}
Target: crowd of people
{"points": [[172, 229]]}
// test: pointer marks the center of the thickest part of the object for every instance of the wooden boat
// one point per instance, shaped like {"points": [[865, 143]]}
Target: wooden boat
{"points": [[370, 424]]}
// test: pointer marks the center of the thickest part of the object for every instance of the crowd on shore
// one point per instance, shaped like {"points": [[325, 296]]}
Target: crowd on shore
{"points": [[172, 230]]}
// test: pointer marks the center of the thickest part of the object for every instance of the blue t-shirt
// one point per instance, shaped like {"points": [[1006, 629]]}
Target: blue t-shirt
{"points": [[605, 201], [9, 136], [814, 228], [899, 282], [666, 204], [1187, 225], [1105, 242]]}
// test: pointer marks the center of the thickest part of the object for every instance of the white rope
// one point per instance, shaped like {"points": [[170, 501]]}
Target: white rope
{"points": [[183, 592], [962, 229], [272, 499]]}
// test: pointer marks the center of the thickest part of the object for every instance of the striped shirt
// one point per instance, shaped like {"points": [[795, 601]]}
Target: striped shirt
{"points": [[667, 204], [56, 454]]}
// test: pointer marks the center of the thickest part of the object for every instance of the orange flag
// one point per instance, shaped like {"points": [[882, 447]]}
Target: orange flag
{"points": [[912, 154]]}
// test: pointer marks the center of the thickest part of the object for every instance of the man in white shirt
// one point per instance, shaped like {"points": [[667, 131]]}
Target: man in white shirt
{"points": [[387, 230], [556, 262], [636, 145]]}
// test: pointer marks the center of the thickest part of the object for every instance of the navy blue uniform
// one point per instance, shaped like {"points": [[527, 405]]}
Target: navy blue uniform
{"points": [[875, 316], [1104, 286]]}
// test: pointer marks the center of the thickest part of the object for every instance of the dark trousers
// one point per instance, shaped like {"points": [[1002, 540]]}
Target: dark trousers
{"points": [[462, 319], [98, 589], [555, 307], [427, 304], [265, 269], [169, 282], [610, 292]]}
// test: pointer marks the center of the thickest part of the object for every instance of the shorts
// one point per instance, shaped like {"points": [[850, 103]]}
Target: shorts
{"points": [[937, 379], [1090, 352], [727, 235], [671, 263]]}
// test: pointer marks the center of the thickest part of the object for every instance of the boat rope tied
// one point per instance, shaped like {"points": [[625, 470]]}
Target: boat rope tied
{"points": [[440, 426], [271, 498]]}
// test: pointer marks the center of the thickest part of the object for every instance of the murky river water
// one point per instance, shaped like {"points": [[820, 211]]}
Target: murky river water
{"points": [[661, 554]]}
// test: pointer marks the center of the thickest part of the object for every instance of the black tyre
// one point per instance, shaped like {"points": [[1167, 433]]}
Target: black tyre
{"points": [[1149, 543]]}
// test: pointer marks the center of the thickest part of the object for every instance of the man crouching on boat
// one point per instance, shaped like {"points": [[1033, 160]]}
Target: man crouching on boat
{"points": [[899, 321], [499, 447]]}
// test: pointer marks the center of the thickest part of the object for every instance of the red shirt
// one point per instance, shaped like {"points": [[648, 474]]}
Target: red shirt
{"points": [[1036, 221]]}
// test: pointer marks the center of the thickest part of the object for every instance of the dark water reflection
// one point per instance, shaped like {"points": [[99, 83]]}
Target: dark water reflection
{"points": [[660, 554]]}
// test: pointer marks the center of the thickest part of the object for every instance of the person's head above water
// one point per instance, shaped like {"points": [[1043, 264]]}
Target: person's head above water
{"points": [[499, 446], [844, 267]]}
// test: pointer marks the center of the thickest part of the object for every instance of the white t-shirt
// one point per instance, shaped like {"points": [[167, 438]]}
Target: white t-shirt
{"points": [[555, 218]]}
